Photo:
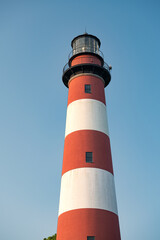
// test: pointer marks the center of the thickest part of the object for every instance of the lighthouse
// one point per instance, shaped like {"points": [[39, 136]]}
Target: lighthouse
{"points": [[87, 207]]}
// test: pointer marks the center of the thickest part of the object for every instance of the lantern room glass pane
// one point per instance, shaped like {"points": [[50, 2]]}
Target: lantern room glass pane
{"points": [[85, 44]]}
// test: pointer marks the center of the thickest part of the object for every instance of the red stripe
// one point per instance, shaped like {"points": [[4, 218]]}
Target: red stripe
{"points": [[80, 223], [77, 86], [86, 59], [80, 142]]}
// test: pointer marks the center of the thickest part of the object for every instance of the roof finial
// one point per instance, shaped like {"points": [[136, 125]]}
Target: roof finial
{"points": [[85, 31]]}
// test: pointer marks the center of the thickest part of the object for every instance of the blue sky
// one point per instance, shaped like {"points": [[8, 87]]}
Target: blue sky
{"points": [[35, 41]]}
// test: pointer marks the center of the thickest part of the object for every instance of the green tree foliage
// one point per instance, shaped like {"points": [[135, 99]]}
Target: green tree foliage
{"points": [[51, 238]]}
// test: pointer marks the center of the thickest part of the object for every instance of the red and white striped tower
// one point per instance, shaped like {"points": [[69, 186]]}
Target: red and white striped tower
{"points": [[87, 208]]}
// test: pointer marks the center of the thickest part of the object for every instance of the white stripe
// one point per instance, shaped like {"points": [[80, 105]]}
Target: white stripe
{"points": [[87, 188], [86, 114]]}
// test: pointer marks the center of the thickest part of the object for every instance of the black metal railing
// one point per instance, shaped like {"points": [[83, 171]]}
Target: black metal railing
{"points": [[66, 67], [89, 60], [106, 66], [86, 49]]}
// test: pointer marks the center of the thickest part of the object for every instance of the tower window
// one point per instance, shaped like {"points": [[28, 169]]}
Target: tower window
{"points": [[87, 88], [89, 159], [90, 237]]}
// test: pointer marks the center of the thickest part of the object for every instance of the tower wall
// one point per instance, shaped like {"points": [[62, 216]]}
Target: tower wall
{"points": [[86, 58], [87, 205], [77, 84]]}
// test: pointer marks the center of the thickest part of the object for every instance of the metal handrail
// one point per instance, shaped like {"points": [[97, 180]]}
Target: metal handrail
{"points": [[106, 66], [85, 49], [67, 66]]}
